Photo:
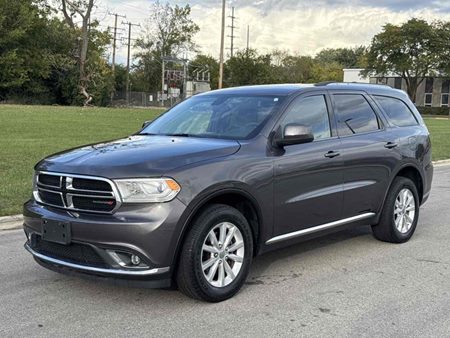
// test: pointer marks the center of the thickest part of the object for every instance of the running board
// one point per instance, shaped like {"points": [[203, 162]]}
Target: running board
{"points": [[319, 228]]}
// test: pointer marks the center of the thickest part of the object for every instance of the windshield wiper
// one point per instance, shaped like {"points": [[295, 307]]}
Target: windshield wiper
{"points": [[147, 134], [179, 135]]}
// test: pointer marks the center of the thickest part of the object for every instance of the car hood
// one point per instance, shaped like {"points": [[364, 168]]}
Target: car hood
{"points": [[137, 156]]}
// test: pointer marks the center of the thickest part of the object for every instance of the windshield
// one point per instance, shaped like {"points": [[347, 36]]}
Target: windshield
{"points": [[217, 116]]}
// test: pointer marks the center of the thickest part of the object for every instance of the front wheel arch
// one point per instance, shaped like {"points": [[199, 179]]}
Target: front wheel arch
{"points": [[232, 196]]}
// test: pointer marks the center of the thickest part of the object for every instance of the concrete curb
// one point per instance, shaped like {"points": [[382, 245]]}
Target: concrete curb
{"points": [[441, 163], [16, 221], [11, 222]]}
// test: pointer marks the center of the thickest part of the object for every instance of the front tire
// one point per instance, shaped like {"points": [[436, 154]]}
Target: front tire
{"points": [[400, 213], [216, 255]]}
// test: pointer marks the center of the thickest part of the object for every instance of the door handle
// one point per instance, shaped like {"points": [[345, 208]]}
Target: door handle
{"points": [[390, 145], [332, 154]]}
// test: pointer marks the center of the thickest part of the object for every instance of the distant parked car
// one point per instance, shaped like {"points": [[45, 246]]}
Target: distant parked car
{"points": [[227, 175]]}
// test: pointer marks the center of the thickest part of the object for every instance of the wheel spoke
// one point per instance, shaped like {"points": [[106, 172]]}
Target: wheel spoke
{"points": [[236, 246], [208, 263], [228, 270], [235, 258], [411, 207], [222, 233], [405, 196], [212, 271], [408, 199], [400, 222], [229, 237], [210, 249], [408, 218], [221, 279], [213, 239]]}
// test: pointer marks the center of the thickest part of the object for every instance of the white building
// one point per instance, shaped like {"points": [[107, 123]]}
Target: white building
{"points": [[432, 92]]}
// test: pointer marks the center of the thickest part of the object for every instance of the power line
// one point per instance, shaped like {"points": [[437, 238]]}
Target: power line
{"points": [[113, 65], [222, 42], [130, 25], [232, 27], [248, 37], [116, 16]]}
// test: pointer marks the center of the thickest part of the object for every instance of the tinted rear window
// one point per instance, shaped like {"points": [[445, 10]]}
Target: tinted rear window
{"points": [[397, 111], [354, 114]]}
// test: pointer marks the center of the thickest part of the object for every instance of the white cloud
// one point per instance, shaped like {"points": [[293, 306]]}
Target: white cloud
{"points": [[303, 28]]}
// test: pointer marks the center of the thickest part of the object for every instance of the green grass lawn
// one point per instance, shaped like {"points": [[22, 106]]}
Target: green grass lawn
{"points": [[440, 137], [29, 133]]}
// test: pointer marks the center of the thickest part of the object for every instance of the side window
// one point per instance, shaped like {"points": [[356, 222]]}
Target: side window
{"points": [[397, 111], [311, 112], [354, 114]]}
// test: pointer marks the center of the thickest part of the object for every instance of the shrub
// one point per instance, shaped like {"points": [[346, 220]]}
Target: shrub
{"points": [[434, 110]]}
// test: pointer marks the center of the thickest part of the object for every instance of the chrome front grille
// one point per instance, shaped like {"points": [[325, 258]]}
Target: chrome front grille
{"points": [[76, 192]]}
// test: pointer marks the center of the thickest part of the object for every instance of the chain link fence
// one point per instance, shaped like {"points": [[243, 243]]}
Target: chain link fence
{"points": [[143, 99]]}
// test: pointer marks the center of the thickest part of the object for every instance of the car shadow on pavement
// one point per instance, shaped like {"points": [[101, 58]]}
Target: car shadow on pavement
{"points": [[271, 268]]}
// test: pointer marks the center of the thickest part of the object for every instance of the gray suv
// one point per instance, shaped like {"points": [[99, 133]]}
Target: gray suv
{"points": [[224, 176]]}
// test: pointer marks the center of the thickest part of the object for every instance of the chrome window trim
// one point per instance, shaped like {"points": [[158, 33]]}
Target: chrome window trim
{"points": [[319, 228], [114, 193], [52, 260]]}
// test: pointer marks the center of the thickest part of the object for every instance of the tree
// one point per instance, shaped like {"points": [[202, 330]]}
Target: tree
{"points": [[170, 32], [322, 72], [412, 51], [34, 48], [247, 67], [443, 32], [346, 57], [71, 9], [295, 69]]}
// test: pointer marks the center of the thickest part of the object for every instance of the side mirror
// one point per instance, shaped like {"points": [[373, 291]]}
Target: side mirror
{"points": [[294, 133], [145, 124]]}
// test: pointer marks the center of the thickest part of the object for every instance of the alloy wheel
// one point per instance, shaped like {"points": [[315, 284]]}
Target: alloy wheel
{"points": [[222, 254], [404, 210]]}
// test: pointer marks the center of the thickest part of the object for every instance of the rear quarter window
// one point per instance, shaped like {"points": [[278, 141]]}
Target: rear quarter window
{"points": [[397, 111]]}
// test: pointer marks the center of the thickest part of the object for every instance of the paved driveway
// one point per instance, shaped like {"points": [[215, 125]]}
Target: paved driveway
{"points": [[346, 284]]}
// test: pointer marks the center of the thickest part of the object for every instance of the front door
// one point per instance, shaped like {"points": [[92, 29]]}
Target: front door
{"points": [[308, 177]]}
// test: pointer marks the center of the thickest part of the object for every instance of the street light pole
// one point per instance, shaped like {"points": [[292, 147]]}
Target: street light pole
{"points": [[222, 43]]}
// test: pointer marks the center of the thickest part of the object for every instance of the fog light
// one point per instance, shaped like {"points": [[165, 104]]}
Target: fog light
{"points": [[135, 260]]}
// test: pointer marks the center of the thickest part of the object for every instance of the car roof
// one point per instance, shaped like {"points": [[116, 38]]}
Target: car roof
{"points": [[273, 89], [290, 88]]}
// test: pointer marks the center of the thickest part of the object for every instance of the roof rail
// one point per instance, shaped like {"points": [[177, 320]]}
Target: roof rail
{"points": [[324, 83]]}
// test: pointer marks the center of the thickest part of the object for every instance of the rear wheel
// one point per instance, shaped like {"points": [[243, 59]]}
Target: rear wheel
{"points": [[399, 217], [216, 255]]}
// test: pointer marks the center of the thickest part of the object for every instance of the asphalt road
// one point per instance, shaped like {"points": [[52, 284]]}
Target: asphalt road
{"points": [[347, 284]]}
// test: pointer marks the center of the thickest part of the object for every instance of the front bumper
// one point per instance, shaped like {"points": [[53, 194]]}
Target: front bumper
{"points": [[148, 231]]}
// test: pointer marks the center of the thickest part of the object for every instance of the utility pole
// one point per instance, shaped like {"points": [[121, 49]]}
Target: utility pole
{"points": [[248, 37], [162, 77], [113, 64], [233, 27], [222, 43], [128, 59], [116, 16]]}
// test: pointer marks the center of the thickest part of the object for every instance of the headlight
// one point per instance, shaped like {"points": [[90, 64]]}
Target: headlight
{"points": [[145, 190]]}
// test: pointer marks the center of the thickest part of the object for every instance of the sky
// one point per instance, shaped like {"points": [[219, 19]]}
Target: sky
{"points": [[299, 26]]}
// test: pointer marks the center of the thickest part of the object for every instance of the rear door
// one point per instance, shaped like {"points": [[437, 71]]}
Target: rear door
{"points": [[308, 177], [367, 151]]}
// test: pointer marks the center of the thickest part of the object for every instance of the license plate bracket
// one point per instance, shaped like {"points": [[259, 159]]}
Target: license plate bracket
{"points": [[55, 231]]}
